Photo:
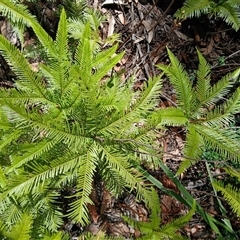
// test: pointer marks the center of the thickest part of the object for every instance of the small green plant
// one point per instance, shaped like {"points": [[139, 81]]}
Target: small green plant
{"points": [[61, 124], [228, 10], [230, 192], [206, 112]]}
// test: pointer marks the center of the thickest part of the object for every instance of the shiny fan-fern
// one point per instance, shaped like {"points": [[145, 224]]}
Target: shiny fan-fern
{"points": [[65, 122], [204, 110], [228, 10]]}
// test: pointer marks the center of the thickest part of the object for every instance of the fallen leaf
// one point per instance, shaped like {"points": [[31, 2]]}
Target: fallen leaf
{"points": [[149, 25]]}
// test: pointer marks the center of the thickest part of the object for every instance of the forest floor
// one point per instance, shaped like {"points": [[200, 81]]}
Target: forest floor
{"points": [[145, 32]]}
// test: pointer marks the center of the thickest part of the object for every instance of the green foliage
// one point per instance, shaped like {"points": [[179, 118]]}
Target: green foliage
{"points": [[64, 122], [152, 229], [228, 10], [230, 192], [202, 109], [72, 118]]}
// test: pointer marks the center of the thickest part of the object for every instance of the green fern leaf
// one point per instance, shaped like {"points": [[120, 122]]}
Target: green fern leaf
{"points": [[135, 111], [21, 67], [229, 13], [79, 211], [171, 116], [191, 8], [233, 172], [223, 114], [223, 141], [31, 152], [203, 80], [22, 230], [231, 194], [180, 81], [192, 149], [20, 14]]}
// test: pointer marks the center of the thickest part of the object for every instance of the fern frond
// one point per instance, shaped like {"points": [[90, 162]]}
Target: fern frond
{"points": [[203, 78], [22, 229], [224, 114], [19, 13], [135, 111], [8, 137], [229, 13], [39, 173], [231, 194], [171, 116], [192, 149], [109, 63], [68, 136], [148, 228], [221, 88], [31, 152], [78, 209], [84, 54], [191, 8], [120, 163], [180, 81], [28, 78], [233, 172], [223, 141], [12, 213]]}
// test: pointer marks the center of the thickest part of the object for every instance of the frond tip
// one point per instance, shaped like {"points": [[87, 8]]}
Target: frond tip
{"points": [[231, 194]]}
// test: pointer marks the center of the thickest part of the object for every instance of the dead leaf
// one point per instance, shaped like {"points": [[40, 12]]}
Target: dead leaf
{"points": [[111, 23], [149, 25], [209, 47], [34, 66], [168, 183], [8, 32], [121, 17]]}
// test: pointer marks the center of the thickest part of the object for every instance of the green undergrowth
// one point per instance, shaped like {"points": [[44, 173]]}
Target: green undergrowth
{"points": [[72, 119]]}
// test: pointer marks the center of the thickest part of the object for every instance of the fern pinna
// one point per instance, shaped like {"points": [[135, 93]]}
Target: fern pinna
{"points": [[65, 122], [206, 111], [228, 10]]}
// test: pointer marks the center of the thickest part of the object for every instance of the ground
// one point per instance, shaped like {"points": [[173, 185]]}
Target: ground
{"points": [[145, 31]]}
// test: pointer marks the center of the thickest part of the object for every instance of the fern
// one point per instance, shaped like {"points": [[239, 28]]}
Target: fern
{"points": [[21, 230], [204, 126], [227, 10], [63, 123], [231, 194]]}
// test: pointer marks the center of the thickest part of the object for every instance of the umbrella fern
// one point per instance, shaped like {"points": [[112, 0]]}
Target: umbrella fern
{"points": [[203, 111], [228, 10], [62, 123]]}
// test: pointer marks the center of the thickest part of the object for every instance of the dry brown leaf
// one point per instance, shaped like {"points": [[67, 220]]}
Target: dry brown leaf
{"points": [[168, 183], [111, 23], [121, 17], [149, 25], [34, 66], [181, 35], [209, 47], [8, 32]]}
